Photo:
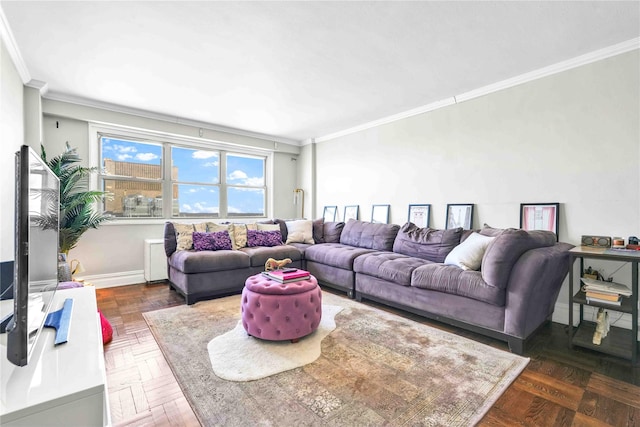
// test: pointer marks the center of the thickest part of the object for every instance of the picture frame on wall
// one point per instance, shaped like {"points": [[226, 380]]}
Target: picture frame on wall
{"points": [[380, 214], [351, 212], [420, 215], [459, 215], [329, 214], [540, 216]]}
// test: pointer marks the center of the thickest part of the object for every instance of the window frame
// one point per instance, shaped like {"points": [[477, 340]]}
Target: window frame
{"points": [[168, 140]]}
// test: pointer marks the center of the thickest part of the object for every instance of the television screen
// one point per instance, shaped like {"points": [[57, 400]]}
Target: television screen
{"points": [[36, 252]]}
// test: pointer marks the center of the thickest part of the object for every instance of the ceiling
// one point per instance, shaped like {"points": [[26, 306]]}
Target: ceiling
{"points": [[299, 70]]}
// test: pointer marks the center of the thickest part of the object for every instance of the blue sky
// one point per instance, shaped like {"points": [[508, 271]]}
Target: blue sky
{"points": [[198, 166]]}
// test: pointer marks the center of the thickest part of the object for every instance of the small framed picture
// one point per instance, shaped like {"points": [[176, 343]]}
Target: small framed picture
{"points": [[419, 215], [329, 214], [380, 214], [351, 212], [460, 215], [540, 216]]}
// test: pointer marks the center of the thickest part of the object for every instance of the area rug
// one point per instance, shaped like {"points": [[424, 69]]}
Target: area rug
{"points": [[235, 356], [375, 368]]}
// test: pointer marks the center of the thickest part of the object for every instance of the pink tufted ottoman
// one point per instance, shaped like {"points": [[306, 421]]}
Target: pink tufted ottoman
{"points": [[281, 311]]}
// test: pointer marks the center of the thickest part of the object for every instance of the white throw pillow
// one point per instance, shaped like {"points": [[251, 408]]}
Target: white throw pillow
{"points": [[300, 231], [468, 254], [184, 236]]}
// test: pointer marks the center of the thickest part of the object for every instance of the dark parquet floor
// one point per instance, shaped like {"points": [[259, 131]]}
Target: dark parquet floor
{"points": [[559, 387]]}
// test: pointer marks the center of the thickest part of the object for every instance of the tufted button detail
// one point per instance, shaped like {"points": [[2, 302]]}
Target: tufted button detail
{"points": [[267, 319]]}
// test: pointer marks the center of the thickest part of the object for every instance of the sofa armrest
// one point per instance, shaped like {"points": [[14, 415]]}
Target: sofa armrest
{"points": [[533, 288], [170, 242]]}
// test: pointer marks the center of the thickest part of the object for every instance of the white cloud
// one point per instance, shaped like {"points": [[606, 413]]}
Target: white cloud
{"points": [[123, 157], [124, 148], [254, 181], [200, 154], [238, 175], [211, 164], [145, 157]]}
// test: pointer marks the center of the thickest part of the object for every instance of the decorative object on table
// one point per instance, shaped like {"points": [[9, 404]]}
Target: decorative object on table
{"points": [[595, 241], [274, 264], [618, 243], [377, 345], [329, 214], [77, 201], [287, 275], [351, 212], [602, 326], [419, 215], [64, 269], [540, 216], [380, 214], [459, 215], [298, 199]]}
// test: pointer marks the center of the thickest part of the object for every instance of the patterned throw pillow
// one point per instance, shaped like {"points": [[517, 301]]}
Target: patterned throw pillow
{"points": [[263, 238], [218, 240], [183, 236]]}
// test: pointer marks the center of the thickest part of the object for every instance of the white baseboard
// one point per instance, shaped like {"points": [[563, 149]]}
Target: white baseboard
{"points": [[112, 280]]}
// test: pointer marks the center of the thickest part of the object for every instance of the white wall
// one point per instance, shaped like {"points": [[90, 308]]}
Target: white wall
{"points": [[113, 253], [572, 138], [11, 138]]}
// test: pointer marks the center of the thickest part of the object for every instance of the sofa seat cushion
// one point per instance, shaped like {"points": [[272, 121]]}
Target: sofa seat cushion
{"points": [[334, 254], [258, 255], [389, 266], [208, 261], [369, 235], [453, 280]]}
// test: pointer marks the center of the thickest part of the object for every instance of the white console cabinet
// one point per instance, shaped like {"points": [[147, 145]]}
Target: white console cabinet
{"points": [[62, 385], [155, 260]]}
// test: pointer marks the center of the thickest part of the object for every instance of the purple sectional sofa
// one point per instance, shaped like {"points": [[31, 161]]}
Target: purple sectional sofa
{"points": [[509, 297]]}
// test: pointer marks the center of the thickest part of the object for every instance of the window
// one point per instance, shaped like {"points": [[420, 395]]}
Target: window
{"points": [[153, 178]]}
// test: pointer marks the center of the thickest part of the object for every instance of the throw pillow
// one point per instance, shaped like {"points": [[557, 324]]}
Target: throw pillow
{"points": [[239, 239], [214, 241], [268, 227], [300, 231], [184, 236], [468, 254], [264, 237]]}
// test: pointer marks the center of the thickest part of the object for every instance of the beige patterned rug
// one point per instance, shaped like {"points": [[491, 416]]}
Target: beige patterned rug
{"points": [[376, 368]]}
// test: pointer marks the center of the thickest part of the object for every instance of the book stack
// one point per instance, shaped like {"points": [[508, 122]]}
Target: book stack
{"points": [[287, 275], [601, 292]]}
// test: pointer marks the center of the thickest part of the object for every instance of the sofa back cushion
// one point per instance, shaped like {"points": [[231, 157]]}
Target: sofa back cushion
{"points": [[332, 231], [426, 243], [369, 235], [503, 252]]}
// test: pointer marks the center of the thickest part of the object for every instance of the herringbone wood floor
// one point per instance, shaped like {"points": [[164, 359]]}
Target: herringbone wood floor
{"points": [[559, 387]]}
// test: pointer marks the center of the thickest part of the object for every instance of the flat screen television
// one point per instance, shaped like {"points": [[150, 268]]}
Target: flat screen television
{"points": [[35, 277]]}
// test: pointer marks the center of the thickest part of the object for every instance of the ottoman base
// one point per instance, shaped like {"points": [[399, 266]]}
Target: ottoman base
{"points": [[279, 316]]}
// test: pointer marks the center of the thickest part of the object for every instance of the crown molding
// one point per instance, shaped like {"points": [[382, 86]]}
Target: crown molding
{"points": [[12, 47], [56, 96], [39, 85], [569, 64], [578, 61]]}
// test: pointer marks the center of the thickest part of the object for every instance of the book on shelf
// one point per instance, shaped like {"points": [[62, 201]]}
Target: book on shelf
{"points": [[603, 296], [288, 275], [591, 285], [591, 300]]}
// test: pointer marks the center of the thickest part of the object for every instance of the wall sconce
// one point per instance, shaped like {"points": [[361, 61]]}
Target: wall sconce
{"points": [[298, 196]]}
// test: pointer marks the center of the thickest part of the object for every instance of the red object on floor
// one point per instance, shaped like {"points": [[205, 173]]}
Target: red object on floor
{"points": [[107, 330]]}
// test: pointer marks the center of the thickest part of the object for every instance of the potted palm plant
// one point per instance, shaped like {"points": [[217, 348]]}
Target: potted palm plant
{"points": [[77, 201]]}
